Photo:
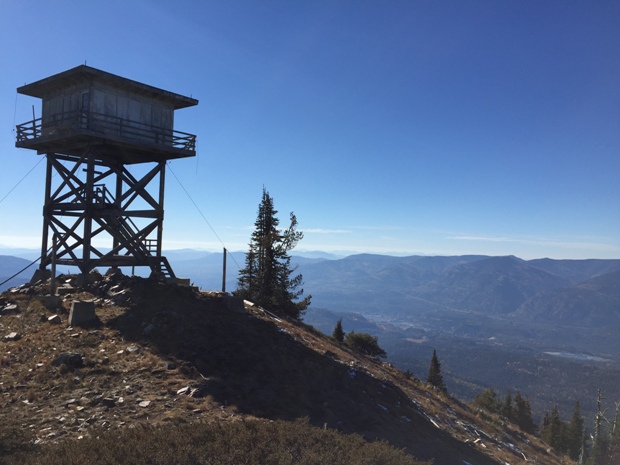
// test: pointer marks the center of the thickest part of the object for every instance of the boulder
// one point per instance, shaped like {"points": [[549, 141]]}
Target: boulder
{"points": [[82, 312]]}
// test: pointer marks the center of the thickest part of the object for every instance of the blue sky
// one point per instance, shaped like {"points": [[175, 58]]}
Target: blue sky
{"points": [[401, 127]]}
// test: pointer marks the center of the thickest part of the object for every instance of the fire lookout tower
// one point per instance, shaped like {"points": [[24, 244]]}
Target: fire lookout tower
{"points": [[95, 125]]}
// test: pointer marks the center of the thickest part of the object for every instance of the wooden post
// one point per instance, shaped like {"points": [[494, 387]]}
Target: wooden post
{"points": [[47, 207], [160, 207], [224, 273], [88, 216], [53, 278]]}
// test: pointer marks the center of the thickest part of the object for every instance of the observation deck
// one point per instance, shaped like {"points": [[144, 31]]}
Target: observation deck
{"points": [[117, 119]]}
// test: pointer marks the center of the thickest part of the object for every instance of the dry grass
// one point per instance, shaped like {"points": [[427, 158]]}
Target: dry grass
{"points": [[229, 443]]}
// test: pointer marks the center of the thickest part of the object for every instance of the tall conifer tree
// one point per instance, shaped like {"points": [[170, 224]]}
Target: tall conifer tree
{"points": [[267, 278]]}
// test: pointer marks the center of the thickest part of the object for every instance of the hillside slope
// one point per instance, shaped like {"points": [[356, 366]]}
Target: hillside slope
{"points": [[162, 353]]}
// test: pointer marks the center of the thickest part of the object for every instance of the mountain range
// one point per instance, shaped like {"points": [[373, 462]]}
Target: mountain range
{"points": [[571, 292]]}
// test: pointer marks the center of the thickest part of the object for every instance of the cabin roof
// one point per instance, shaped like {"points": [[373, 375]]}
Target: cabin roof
{"points": [[54, 84]]}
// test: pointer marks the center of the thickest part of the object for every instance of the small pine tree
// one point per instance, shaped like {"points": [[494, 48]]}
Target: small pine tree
{"points": [[506, 410], [614, 437], [338, 333], [435, 378], [522, 414], [488, 400], [551, 430], [575, 433]]}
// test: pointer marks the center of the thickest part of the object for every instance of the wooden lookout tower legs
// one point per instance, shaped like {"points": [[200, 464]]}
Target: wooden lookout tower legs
{"points": [[98, 214]]}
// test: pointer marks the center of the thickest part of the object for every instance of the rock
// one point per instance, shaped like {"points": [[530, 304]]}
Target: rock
{"points": [[65, 289], [54, 319], [183, 391], [12, 336], [132, 349], [145, 403], [10, 308], [108, 401], [70, 360]]}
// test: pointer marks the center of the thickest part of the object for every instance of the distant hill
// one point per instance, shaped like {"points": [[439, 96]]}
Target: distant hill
{"points": [[576, 270], [10, 265], [378, 272], [406, 287], [593, 303], [490, 285]]}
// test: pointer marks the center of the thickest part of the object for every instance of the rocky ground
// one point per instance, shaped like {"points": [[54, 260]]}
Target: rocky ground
{"points": [[166, 353]]}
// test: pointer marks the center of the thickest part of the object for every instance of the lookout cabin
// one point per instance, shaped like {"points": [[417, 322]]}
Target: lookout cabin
{"points": [[124, 120], [93, 127]]}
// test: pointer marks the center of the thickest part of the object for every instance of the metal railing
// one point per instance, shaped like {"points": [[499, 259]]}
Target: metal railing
{"points": [[102, 125]]}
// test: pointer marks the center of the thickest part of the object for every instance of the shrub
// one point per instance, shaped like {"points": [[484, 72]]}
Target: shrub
{"points": [[231, 443], [365, 344]]}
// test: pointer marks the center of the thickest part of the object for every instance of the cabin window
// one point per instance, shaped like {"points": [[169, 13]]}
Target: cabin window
{"points": [[85, 109], [86, 101]]}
